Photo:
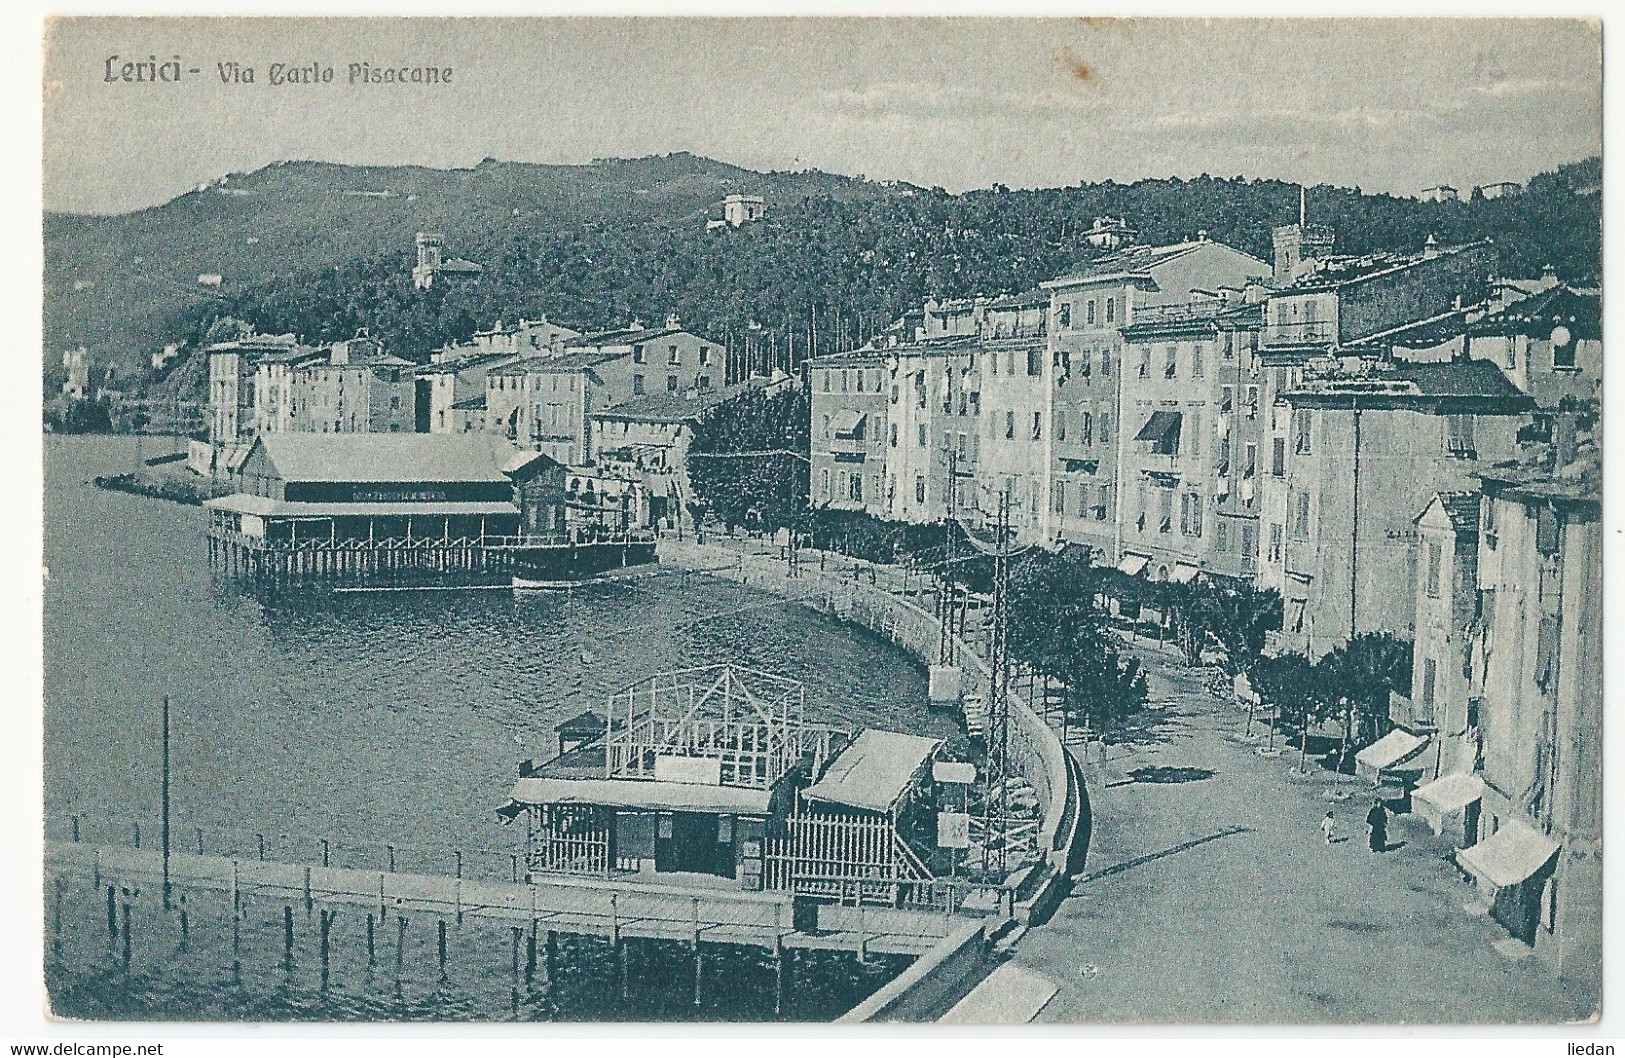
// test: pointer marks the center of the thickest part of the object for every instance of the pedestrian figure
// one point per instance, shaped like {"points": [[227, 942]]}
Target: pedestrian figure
{"points": [[1328, 827], [1377, 820]]}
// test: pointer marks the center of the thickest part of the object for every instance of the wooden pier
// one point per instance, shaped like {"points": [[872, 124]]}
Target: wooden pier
{"points": [[588, 907]]}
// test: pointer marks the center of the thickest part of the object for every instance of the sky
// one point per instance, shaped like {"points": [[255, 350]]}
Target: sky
{"points": [[1385, 105]]}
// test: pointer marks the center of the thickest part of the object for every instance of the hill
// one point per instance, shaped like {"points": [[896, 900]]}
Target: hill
{"points": [[323, 249]]}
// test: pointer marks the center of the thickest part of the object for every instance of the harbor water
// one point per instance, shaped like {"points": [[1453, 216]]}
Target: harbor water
{"points": [[373, 728]]}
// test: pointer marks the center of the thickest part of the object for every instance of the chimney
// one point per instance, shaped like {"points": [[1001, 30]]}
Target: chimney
{"points": [[673, 321]]}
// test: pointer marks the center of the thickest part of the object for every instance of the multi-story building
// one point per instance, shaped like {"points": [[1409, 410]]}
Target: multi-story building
{"points": [[232, 369], [1550, 346], [544, 402], [1189, 451], [934, 418], [1008, 375], [446, 386], [1089, 309], [1445, 594], [1371, 442], [1538, 672], [850, 430], [274, 386], [1369, 305], [358, 387]]}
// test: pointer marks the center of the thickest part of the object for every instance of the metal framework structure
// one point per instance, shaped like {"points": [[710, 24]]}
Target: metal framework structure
{"points": [[749, 722]]}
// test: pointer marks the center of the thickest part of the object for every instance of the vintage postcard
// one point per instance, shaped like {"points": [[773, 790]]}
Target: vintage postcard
{"points": [[822, 520]]}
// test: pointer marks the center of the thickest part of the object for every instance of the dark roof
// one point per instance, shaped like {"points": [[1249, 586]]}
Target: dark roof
{"points": [[1419, 334], [463, 363], [457, 264], [1027, 300], [1401, 381], [1133, 259], [1536, 316], [1331, 273], [1540, 478], [676, 407], [620, 336], [569, 363], [473, 403], [1462, 510], [587, 723]]}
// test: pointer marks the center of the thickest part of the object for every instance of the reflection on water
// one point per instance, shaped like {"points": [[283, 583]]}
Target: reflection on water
{"points": [[364, 720]]}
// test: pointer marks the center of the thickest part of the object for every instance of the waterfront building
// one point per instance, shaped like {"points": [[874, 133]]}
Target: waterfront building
{"points": [[1190, 451], [374, 487], [446, 387], [1089, 307], [934, 413], [546, 402], [1537, 678], [646, 440], [274, 390], [358, 387], [1372, 441], [850, 429], [233, 407], [1008, 374]]}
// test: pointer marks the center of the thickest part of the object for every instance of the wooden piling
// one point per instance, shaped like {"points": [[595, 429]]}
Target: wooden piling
{"points": [[400, 944], [112, 916], [126, 934], [186, 930], [287, 932], [516, 931], [695, 947], [371, 949], [442, 948], [308, 901]]}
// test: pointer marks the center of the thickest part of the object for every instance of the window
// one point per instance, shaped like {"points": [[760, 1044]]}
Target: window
{"points": [[1275, 543], [1085, 428], [922, 435], [1060, 424], [1038, 426], [1145, 361], [1563, 356], [1300, 515], [1089, 313], [637, 388], [846, 381], [1294, 615], [894, 435], [1252, 402], [1197, 353], [1196, 432], [1300, 432], [1249, 542], [1105, 433], [1009, 426], [1035, 361], [826, 373], [1058, 497], [1434, 561], [1459, 436], [963, 448], [1221, 535], [1278, 456], [1227, 396], [702, 383], [861, 373], [1170, 364], [673, 356], [1105, 363], [1064, 314], [1250, 463], [705, 356], [1165, 504], [976, 402], [1111, 309], [823, 483], [919, 488], [637, 358], [1430, 676], [671, 383]]}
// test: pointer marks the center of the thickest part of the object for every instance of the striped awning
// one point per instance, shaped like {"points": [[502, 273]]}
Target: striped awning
{"points": [[1132, 564], [1509, 856]]}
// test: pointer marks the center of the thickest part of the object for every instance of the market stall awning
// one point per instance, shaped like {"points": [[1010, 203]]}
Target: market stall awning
{"points": [[1508, 856], [1445, 796], [1388, 752], [1161, 427], [648, 794], [874, 772], [1132, 564], [1184, 573]]}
